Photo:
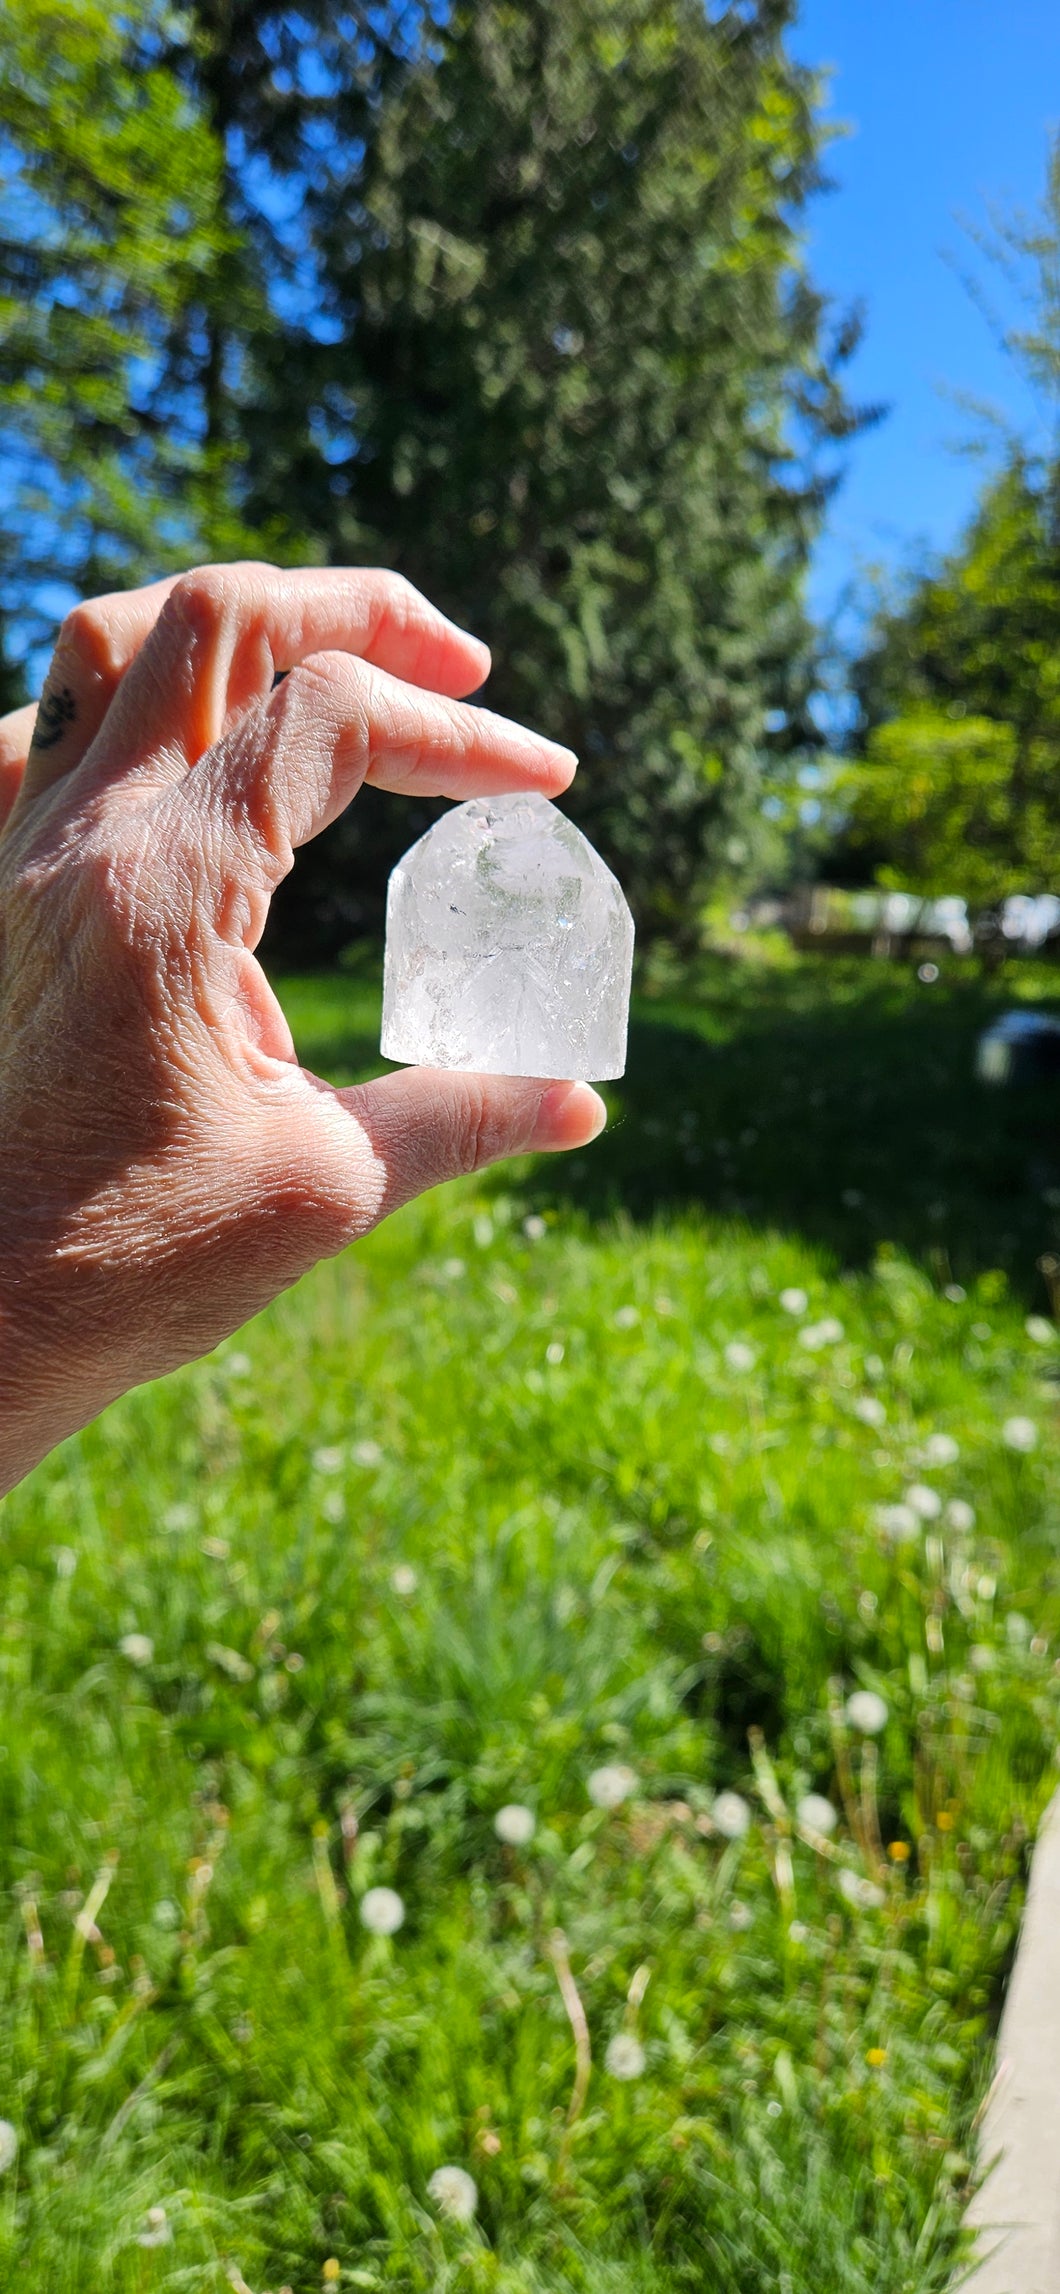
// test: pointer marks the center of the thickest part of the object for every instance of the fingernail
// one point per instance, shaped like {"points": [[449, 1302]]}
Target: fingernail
{"points": [[568, 1115]]}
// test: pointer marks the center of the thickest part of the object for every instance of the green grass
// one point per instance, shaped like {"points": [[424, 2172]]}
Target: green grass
{"points": [[479, 1510]]}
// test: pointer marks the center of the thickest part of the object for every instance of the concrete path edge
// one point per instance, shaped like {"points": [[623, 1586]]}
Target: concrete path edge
{"points": [[1016, 2211]]}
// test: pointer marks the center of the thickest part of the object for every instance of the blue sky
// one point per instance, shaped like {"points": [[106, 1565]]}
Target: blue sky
{"points": [[950, 103]]}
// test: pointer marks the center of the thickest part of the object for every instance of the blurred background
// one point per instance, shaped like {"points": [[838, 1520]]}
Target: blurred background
{"points": [[517, 1773]]}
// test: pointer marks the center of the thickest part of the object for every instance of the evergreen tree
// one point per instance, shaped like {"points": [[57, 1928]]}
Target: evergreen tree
{"points": [[959, 790], [576, 391], [508, 296]]}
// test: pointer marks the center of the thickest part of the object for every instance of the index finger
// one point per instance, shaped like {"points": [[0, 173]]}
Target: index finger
{"points": [[225, 632]]}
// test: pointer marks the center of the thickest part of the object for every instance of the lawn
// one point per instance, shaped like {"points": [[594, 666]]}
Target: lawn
{"points": [[592, 1493]]}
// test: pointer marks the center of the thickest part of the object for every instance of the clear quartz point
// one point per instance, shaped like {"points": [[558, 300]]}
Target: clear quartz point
{"points": [[509, 947]]}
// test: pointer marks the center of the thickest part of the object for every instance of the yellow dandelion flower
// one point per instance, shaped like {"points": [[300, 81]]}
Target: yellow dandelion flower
{"points": [[331, 2272], [944, 1820], [876, 2058], [898, 1851]]}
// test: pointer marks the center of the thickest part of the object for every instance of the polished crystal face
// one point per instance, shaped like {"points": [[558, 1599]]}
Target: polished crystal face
{"points": [[509, 947]]}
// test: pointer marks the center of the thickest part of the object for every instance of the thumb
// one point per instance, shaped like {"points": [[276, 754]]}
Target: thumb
{"points": [[428, 1124]]}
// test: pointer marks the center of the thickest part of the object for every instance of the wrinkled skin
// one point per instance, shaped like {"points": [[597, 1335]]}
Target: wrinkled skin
{"points": [[166, 1166]]}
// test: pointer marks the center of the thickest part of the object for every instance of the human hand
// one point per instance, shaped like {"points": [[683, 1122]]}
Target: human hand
{"points": [[165, 1164]]}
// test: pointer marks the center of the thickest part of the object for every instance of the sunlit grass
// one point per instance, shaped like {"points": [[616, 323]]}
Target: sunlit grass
{"points": [[502, 1499]]}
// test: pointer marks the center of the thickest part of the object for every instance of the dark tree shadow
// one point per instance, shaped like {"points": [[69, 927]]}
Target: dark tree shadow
{"points": [[836, 1100], [840, 1103]]}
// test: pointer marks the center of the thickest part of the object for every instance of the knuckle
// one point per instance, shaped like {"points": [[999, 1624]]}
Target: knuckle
{"points": [[87, 637], [201, 597], [207, 595]]}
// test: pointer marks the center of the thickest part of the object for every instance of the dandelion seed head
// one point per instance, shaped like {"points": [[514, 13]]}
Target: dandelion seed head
{"points": [[731, 1815], [867, 1712], [366, 1454], [817, 1813], [793, 1300], [960, 1516], [330, 1459], [514, 1824], [138, 1647], [899, 1524], [455, 2193], [1020, 1434], [382, 1911], [858, 1891], [534, 1228], [981, 1657], [625, 2057], [608, 1787], [403, 1580], [156, 2230], [739, 1356], [627, 1317], [924, 1500], [1042, 1332], [870, 1410], [741, 1917]]}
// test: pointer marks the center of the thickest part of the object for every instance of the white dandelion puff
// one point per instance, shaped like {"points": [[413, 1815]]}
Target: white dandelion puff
{"points": [[870, 1410], [625, 2057], [981, 1657], [514, 1824], [867, 1712], [382, 1911], [1020, 1434], [455, 2193], [1042, 1332], [534, 1228], [739, 1356], [366, 1454], [924, 1500], [731, 1815], [864, 1893], [941, 1450], [815, 1335], [403, 1580], [156, 2230], [899, 1524], [138, 1647], [608, 1787], [627, 1317], [793, 1300], [817, 1813], [741, 1917], [330, 1459]]}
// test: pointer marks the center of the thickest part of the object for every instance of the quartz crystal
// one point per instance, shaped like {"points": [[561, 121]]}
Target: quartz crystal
{"points": [[509, 947]]}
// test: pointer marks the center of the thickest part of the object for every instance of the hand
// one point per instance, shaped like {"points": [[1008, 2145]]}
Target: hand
{"points": [[165, 1164]]}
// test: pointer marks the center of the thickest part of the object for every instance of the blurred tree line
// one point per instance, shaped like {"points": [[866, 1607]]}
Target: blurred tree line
{"points": [[507, 294], [956, 787]]}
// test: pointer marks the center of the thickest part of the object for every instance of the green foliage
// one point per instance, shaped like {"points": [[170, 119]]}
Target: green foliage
{"points": [[110, 199], [514, 301], [482, 1507], [576, 391], [960, 693]]}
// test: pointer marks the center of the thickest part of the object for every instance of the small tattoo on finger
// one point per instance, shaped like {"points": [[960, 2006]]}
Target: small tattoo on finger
{"points": [[56, 712]]}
